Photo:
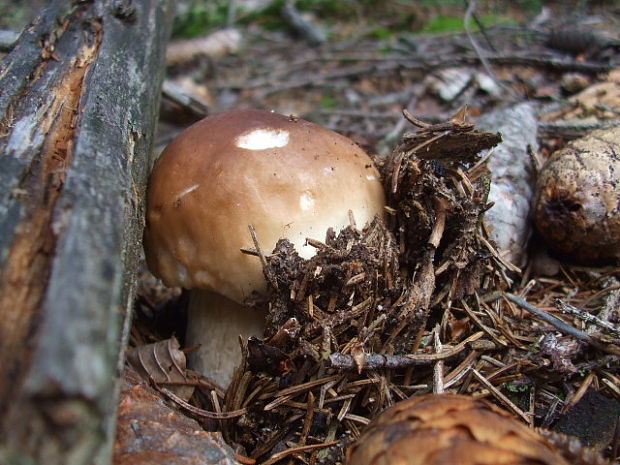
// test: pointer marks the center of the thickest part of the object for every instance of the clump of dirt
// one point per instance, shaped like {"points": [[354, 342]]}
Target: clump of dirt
{"points": [[347, 327]]}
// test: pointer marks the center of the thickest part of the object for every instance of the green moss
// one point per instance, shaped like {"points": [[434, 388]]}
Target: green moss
{"points": [[530, 6], [390, 17], [329, 102], [444, 23], [381, 33], [516, 388], [335, 9], [269, 17], [201, 17], [17, 14]]}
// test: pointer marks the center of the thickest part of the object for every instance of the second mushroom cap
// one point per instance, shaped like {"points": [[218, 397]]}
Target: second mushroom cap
{"points": [[285, 176]]}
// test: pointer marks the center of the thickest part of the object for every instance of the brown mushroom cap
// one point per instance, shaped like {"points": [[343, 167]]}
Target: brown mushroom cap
{"points": [[285, 176], [577, 204], [450, 429]]}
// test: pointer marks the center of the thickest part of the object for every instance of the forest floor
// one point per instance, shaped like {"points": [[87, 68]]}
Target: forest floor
{"points": [[355, 69], [356, 76]]}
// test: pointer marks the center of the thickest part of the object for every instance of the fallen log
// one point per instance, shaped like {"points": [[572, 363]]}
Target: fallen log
{"points": [[79, 98]]}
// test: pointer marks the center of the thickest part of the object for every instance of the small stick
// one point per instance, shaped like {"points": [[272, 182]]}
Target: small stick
{"points": [[231, 13], [616, 442], [312, 32], [295, 390], [217, 407], [501, 397], [198, 411], [438, 385], [614, 389], [357, 418], [376, 361], [293, 450], [440, 205], [178, 95], [462, 369], [277, 402], [585, 316], [570, 403], [262, 258], [471, 7], [561, 325], [305, 430], [244, 460], [257, 246], [548, 318], [249, 251], [413, 120]]}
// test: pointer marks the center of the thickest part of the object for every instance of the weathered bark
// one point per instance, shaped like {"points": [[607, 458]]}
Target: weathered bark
{"points": [[79, 97]]}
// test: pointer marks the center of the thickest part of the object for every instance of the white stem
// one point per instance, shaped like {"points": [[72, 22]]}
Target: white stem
{"points": [[215, 323]]}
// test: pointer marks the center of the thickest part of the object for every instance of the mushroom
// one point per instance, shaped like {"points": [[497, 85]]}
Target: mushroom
{"points": [[438, 429], [577, 203], [286, 177]]}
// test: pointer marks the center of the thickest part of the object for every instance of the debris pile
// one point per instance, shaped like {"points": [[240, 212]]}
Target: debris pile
{"points": [[348, 333]]}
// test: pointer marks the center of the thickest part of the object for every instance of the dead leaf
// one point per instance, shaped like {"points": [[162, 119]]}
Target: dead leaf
{"points": [[164, 363], [598, 102]]}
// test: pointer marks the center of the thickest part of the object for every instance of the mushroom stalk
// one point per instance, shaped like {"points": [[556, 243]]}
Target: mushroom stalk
{"points": [[214, 325]]}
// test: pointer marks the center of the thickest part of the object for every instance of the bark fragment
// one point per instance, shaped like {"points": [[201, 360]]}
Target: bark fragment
{"points": [[151, 433]]}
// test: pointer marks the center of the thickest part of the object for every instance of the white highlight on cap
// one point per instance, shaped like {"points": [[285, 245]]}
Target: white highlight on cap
{"points": [[371, 177], [182, 275], [187, 191], [306, 201], [261, 139]]}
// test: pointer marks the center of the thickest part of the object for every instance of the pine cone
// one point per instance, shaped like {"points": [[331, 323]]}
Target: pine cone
{"points": [[450, 429]]}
